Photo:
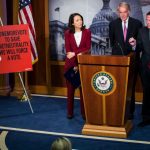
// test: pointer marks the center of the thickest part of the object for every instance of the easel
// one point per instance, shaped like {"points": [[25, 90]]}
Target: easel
{"points": [[25, 91]]}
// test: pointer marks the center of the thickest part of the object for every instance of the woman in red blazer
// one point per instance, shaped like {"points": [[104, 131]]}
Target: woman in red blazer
{"points": [[77, 40]]}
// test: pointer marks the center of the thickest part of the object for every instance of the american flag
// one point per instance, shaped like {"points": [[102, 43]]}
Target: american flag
{"points": [[25, 17]]}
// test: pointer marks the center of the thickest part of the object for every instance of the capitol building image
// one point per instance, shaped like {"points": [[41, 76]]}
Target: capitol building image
{"points": [[99, 28]]}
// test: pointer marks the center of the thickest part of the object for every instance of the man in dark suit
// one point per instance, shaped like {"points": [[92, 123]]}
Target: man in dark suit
{"points": [[123, 25], [121, 31], [143, 44]]}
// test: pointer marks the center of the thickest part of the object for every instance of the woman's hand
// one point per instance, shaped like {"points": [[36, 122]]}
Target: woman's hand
{"points": [[80, 54], [76, 69], [70, 55]]}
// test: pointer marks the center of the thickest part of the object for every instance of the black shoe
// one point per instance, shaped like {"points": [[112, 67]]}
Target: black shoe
{"points": [[144, 123], [70, 116], [131, 117]]}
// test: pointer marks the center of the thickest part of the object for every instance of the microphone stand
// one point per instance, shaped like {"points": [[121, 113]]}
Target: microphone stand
{"points": [[120, 48]]}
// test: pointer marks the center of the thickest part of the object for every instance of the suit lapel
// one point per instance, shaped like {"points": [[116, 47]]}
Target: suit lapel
{"points": [[129, 28], [146, 34], [121, 31], [82, 37], [73, 39]]}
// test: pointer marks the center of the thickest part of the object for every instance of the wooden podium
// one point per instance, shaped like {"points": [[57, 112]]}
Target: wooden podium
{"points": [[106, 85]]}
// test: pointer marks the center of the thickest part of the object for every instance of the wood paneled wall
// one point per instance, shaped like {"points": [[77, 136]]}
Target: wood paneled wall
{"points": [[39, 78]]}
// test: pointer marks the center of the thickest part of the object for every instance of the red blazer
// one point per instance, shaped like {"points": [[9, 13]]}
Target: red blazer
{"points": [[71, 46]]}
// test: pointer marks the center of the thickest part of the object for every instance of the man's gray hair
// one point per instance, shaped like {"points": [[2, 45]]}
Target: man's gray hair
{"points": [[124, 4]]}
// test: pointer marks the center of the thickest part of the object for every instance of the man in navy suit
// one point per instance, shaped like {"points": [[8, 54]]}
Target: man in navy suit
{"points": [[143, 44], [121, 31]]}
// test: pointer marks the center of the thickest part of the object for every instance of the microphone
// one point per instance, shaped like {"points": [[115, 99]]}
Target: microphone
{"points": [[118, 44]]}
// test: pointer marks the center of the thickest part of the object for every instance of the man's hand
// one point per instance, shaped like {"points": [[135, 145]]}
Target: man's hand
{"points": [[132, 42], [70, 55]]}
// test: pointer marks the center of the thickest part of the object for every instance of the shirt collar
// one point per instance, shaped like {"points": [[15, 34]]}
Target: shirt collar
{"points": [[127, 20]]}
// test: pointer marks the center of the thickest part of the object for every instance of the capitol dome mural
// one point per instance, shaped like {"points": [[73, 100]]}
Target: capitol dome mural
{"points": [[100, 24], [97, 13]]}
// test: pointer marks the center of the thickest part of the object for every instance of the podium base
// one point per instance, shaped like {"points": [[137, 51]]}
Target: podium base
{"points": [[109, 131]]}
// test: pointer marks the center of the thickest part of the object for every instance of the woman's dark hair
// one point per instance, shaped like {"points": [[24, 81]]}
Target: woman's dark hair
{"points": [[148, 13], [71, 20]]}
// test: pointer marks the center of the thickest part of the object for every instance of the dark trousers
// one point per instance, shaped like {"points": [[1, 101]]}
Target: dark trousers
{"points": [[135, 76], [70, 100], [145, 77]]}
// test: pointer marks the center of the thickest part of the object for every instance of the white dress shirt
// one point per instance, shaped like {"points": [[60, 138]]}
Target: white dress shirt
{"points": [[78, 36], [127, 22]]}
